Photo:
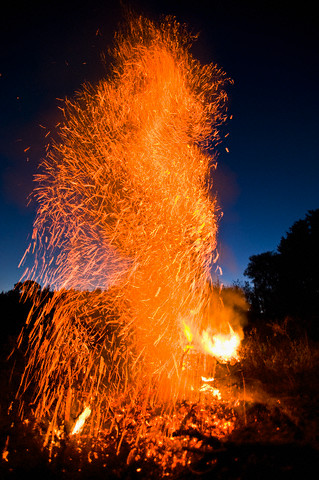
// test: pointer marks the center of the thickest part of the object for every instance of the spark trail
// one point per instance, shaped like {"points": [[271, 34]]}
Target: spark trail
{"points": [[125, 205]]}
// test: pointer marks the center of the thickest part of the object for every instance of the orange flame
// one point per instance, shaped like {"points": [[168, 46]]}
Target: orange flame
{"points": [[223, 346], [125, 205]]}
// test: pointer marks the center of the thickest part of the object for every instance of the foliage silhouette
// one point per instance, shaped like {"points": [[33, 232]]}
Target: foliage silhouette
{"points": [[285, 283], [15, 307]]}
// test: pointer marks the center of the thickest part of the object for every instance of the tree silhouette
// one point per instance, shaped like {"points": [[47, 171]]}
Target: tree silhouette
{"points": [[263, 270], [15, 307], [285, 283]]}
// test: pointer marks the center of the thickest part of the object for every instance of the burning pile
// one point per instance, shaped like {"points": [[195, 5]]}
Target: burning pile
{"points": [[126, 234]]}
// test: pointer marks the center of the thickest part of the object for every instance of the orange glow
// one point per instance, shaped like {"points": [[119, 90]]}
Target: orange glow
{"points": [[126, 234]]}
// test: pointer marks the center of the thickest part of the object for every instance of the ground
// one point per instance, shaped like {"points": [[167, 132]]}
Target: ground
{"points": [[262, 424]]}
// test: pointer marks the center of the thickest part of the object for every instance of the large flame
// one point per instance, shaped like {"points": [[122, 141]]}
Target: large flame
{"points": [[125, 208]]}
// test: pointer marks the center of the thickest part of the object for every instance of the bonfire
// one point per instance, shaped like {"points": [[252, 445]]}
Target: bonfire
{"points": [[125, 352]]}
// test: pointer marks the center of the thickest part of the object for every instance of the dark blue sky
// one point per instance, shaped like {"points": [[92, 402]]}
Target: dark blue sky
{"points": [[269, 178]]}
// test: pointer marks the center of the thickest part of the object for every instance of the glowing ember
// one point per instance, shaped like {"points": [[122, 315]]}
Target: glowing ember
{"points": [[207, 387], [81, 420]]}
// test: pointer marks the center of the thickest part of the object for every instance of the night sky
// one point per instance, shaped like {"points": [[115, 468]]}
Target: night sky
{"points": [[269, 177]]}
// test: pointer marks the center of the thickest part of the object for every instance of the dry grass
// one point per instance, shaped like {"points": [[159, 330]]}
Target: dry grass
{"points": [[280, 369], [279, 359]]}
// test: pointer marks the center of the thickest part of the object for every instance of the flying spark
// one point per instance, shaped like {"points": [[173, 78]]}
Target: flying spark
{"points": [[125, 233]]}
